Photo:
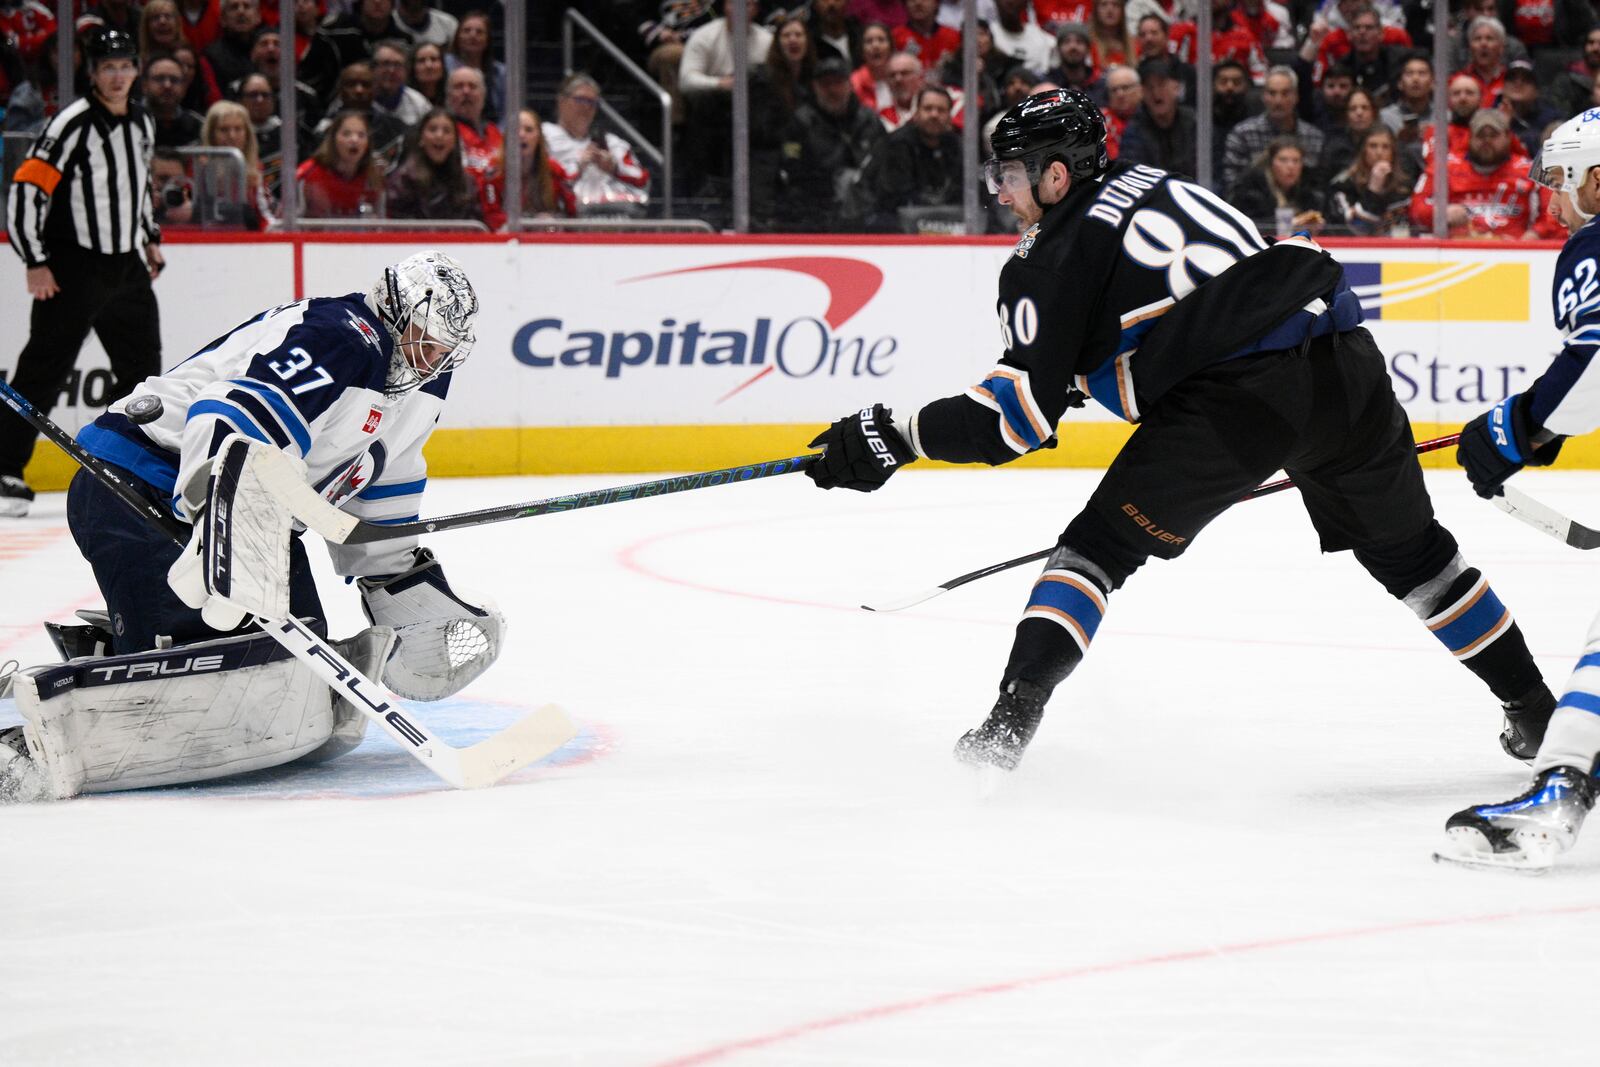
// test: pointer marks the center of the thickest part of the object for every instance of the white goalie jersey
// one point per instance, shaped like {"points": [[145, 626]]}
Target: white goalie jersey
{"points": [[308, 378]]}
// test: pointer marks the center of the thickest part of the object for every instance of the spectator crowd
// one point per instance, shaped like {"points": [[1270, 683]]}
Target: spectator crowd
{"points": [[400, 107], [1321, 109]]}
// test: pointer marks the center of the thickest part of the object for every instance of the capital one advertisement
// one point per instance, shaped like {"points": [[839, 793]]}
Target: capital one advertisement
{"points": [[707, 334], [585, 333], [1462, 329]]}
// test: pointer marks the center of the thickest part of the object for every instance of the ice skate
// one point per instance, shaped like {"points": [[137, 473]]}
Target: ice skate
{"points": [[15, 496], [1526, 720], [1526, 832], [1001, 739], [21, 780]]}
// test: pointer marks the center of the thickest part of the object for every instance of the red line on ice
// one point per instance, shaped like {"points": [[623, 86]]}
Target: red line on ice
{"points": [[25, 631], [628, 557], [905, 1007]]}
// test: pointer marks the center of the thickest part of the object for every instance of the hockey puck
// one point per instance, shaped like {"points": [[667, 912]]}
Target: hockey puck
{"points": [[143, 409]]}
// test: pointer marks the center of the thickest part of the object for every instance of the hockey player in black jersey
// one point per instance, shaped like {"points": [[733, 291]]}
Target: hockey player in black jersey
{"points": [[1160, 301]]}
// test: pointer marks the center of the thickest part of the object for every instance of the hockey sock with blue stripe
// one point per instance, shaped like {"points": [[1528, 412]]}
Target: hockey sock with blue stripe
{"points": [[1064, 611]]}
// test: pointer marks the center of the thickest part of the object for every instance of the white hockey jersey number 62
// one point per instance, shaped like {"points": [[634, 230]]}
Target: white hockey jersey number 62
{"points": [[1569, 297], [288, 368]]}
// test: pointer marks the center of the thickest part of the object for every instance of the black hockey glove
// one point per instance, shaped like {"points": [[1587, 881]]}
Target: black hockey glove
{"points": [[1499, 443], [860, 452]]}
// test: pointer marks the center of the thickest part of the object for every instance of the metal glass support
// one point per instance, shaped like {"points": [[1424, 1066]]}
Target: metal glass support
{"points": [[972, 221], [663, 155], [1441, 119]]}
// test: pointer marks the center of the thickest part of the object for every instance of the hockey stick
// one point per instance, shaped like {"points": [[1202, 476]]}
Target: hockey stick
{"points": [[342, 528], [1264, 489], [537, 735], [1520, 505]]}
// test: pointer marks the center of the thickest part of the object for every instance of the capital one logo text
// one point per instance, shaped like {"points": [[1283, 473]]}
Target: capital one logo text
{"points": [[802, 346]]}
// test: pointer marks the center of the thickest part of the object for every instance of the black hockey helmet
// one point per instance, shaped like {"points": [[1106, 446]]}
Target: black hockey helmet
{"points": [[1054, 124], [101, 43]]}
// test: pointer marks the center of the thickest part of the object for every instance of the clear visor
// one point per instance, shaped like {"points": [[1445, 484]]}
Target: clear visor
{"points": [[1006, 175], [1549, 177]]}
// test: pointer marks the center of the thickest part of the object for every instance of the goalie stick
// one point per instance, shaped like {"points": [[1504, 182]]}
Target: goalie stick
{"points": [[535, 736], [1264, 489]]}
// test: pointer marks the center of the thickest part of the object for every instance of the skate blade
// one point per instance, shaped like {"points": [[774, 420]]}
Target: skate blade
{"points": [[1464, 847]]}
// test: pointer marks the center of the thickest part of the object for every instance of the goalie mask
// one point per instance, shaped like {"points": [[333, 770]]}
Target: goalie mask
{"points": [[443, 638], [430, 310]]}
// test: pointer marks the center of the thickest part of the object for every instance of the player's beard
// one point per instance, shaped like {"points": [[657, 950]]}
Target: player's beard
{"points": [[1032, 214]]}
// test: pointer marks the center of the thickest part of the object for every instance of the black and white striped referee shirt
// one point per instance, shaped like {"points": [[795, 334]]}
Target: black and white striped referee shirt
{"points": [[86, 182]]}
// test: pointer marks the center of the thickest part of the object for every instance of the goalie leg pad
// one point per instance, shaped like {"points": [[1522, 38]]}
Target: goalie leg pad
{"points": [[445, 637], [185, 714], [367, 651]]}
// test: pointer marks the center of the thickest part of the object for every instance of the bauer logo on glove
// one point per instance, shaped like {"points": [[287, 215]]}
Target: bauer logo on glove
{"points": [[860, 451]]}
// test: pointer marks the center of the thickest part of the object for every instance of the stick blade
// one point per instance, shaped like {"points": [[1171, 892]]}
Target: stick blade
{"points": [[538, 734], [906, 601], [1547, 520]]}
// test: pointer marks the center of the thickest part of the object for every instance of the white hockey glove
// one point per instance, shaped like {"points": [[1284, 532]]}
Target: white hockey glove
{"points": [[445, 638], [237, 562]]}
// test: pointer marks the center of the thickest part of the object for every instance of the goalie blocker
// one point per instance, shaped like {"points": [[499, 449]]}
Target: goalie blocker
{"points": [[243, 559]]}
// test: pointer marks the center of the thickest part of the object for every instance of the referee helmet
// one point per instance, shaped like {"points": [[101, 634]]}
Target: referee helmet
{"points": [[102, 43]]}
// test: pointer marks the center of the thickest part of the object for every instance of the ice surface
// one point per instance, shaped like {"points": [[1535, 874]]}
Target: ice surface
{"points": [[759, 851]]}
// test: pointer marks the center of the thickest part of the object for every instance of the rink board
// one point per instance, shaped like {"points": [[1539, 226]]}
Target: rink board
{"points": [[650, 354]]}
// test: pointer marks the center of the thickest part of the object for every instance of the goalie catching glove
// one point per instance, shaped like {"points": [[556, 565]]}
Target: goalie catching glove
{"points": [[860, 451], [237, 561], [445, 638]]}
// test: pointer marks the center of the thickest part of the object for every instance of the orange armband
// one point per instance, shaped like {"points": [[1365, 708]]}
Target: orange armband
{"points": [[38, 172]]}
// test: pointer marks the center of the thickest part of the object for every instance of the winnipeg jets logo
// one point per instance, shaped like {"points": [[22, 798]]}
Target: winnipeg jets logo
{"points": [[364, 328], [347, 484]]}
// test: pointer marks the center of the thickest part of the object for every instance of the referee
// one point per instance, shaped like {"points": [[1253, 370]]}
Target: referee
{"points": [[80, 215]]}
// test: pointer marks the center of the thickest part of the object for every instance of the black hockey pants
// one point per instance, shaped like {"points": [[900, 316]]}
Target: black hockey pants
{"points": [[1329, 418]]}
